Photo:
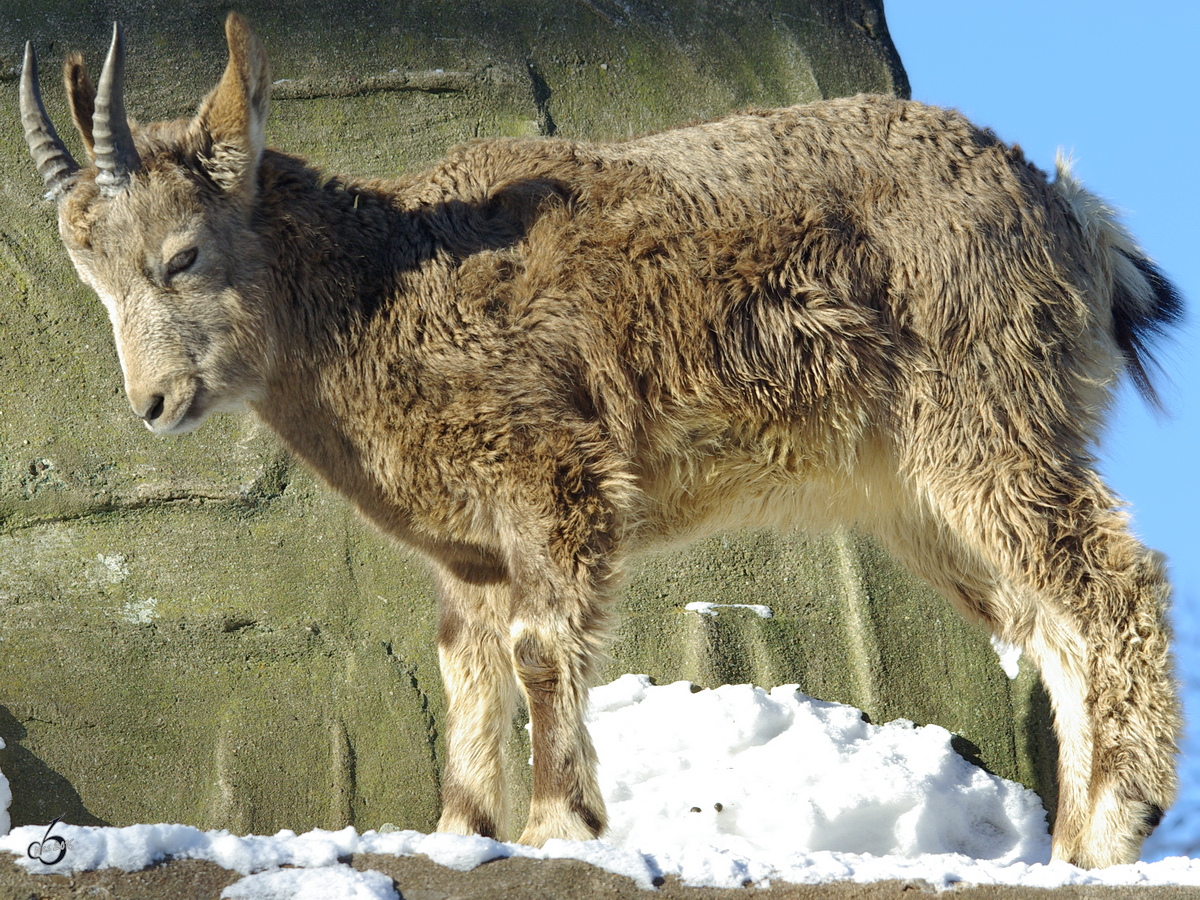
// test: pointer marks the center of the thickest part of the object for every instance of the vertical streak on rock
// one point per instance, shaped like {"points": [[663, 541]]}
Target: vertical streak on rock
{"points": [[861, 643], [223, 810], [342, 781]]}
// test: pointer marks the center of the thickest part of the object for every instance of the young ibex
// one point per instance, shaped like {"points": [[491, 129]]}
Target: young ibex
{"points": [[541, 356]]}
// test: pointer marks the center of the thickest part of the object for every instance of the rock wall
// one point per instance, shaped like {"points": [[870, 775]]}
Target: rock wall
{"points": [[192, 630]]}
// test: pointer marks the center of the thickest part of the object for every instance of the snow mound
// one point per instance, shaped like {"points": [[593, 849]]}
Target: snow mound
{"points": [[741, 772]]}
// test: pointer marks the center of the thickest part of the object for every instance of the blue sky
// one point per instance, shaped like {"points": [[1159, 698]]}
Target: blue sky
{"points": [[1117, 88]]}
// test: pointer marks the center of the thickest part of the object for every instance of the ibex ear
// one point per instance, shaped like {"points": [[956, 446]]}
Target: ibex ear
{"points": [[232, 119], [82, 98]]}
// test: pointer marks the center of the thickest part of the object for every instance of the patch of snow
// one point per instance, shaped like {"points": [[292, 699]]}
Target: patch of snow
{"points": [[338, 881], [1010, 656], [710, 609], [5, 800]]}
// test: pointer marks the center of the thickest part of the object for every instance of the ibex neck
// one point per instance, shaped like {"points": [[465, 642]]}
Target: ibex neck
{"points": [[336, 256]]}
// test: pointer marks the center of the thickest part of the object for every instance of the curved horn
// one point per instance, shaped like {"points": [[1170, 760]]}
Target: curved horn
{"points": [[56, 166], [116, 157]]}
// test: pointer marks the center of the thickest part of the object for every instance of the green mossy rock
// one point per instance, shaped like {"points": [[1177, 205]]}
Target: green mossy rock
{"points": [[192, 630]]}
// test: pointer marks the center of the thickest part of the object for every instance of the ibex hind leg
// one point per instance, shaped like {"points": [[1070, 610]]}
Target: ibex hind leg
{"points": [[1103, 656], [1134, 711], [481, 695], [1076, 591], [1047, 634]]}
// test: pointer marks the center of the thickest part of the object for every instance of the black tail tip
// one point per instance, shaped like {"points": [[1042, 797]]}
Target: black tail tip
{"points": [[1168, 306], [1135, 326]]}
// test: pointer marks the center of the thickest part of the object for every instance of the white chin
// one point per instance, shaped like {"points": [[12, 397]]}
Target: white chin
{"points": [[181, 426]]}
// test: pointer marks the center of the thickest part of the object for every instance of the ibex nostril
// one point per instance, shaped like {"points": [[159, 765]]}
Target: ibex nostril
{"points": [[156, 409]]}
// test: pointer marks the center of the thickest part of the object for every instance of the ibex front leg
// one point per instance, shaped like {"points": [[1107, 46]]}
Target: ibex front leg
{"points": [[481, 698], [566, 800], [563, 576]]}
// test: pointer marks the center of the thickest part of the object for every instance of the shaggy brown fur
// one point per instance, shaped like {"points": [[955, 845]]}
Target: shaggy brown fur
{"points": [[539, 357]]}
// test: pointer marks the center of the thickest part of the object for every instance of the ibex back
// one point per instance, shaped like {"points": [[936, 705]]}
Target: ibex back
{"points": [[539, 357]]}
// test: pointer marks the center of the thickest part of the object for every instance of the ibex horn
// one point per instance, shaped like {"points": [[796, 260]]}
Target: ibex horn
{"points": [[116, 157], [56, 166]]}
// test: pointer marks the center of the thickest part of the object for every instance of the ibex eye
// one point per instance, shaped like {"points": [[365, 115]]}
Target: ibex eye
{"points": [[181, 261]]}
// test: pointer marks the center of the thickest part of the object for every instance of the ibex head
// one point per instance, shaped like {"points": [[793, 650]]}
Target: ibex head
{"points": [[161, 227]]}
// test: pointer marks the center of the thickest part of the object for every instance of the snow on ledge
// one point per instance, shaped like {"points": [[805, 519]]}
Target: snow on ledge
{"points": [[317, 871], [724, 787]]}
